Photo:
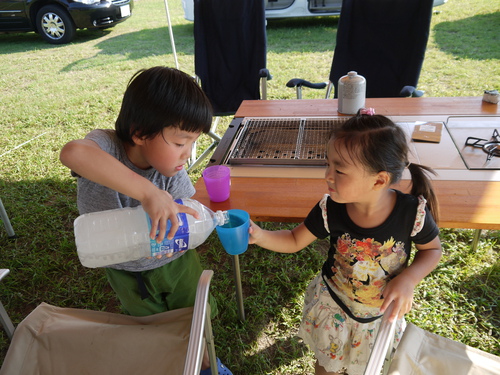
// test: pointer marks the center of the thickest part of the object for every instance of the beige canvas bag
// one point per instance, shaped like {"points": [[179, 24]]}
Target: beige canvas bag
{"points": [[64, 341], [424, 353]]}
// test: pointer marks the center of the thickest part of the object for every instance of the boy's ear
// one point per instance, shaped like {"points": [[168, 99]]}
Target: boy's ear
{"points": [[138, 140], [382, 180]]}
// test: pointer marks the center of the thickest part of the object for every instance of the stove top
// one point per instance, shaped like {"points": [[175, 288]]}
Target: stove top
{"points": [[476, 139]]}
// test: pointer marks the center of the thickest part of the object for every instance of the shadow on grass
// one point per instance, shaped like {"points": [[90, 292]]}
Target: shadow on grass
{"points": [[137, 45], [302, 22], [474, 38], [18, 42], [133, 45]]}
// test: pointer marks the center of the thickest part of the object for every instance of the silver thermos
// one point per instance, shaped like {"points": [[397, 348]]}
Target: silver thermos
{"points": [[352, 93]]}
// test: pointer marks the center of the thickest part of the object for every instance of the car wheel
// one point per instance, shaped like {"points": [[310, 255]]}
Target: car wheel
{"points": [[55, 25]]}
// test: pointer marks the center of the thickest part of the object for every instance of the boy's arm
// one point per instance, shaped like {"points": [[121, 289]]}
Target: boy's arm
{"points": [[281, 241], [88, 160], [401, 288]]}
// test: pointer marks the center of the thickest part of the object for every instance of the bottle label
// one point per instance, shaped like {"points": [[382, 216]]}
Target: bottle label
{"points": [[180, 242]]}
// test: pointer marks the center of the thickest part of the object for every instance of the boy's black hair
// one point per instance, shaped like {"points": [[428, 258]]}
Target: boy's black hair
{"points": [[381, 145], [161, 97]]}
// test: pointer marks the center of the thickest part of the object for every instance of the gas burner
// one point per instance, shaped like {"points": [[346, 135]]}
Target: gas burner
{"points": [[490, 146]]}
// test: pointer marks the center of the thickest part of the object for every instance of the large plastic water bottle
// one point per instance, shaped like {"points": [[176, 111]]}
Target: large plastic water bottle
{"points": [[121, 235]]}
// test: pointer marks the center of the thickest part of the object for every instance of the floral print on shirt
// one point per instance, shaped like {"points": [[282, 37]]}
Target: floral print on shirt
{"points": [[362, 267]]}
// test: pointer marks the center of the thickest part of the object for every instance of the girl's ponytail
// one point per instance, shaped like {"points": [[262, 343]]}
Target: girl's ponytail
{"points": [[421, 185]]}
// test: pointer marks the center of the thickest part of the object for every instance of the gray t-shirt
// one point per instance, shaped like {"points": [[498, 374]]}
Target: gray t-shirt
{"points": [[94, 197]]}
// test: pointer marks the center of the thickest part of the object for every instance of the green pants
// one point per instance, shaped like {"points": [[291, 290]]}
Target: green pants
{"points": [[170, 287]]}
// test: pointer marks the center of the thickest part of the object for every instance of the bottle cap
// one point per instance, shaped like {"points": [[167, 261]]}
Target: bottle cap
{"points": [[221, 217]]}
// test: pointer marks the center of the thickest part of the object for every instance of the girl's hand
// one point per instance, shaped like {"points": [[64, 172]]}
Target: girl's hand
{"points": [[161, 208], [401, 288], [400, 291], [254, 230]]}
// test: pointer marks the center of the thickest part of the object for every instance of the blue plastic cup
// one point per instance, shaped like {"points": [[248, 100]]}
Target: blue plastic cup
{"points": [[234, 234]]}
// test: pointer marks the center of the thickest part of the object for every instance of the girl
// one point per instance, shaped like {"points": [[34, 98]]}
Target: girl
{"points": [[371, 228]]}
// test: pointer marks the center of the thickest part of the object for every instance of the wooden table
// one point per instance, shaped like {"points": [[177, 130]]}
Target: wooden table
{"points": [[384, 106], [463, 204]]}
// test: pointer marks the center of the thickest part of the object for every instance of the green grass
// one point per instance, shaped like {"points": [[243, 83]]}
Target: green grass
{"points": [[52, 94]]}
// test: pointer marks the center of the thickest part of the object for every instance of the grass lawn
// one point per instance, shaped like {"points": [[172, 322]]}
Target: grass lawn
{"points": [[52, 94]]}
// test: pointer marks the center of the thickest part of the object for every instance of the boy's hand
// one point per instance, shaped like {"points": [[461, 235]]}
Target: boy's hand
{"points": [[161, 208]]}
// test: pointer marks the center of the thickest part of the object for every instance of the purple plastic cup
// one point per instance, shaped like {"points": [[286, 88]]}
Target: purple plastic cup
{"points": [[217, 181]]}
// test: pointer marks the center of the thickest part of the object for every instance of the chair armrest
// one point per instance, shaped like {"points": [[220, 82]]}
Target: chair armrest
{"points": [[4, 272], [296, 82], [264, 73]]}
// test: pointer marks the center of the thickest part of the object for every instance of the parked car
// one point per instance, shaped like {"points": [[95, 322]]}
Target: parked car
{"points": [[292, 8], [57, 20]]}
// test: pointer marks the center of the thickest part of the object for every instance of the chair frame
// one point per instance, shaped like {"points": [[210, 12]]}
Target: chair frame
{"points": [[4, 317], [201, 330], [381, 353], [6, 221]]}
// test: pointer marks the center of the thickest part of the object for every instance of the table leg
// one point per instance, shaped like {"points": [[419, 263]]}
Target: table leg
{"points": [[476, 239], [237, 284]]}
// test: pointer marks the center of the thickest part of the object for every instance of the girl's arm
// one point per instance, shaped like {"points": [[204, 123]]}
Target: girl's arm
{"points": [[88, 160], [281, 241], [400, 289]]}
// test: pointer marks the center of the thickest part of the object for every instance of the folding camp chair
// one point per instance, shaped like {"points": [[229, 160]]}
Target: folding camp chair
{"points": [[4, 317], [423, 353], [61, 341], [230, 56], [382, 40], [6, 221]]}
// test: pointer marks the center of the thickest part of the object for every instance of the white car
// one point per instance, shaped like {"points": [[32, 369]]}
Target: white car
{"points": [[292, 8]]}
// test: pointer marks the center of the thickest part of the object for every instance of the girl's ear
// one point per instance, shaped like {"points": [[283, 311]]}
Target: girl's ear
{"points": [[382, 180]]}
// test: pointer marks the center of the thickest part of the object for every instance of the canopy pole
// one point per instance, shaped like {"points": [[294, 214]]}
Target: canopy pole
{"points": [[172, 42]]}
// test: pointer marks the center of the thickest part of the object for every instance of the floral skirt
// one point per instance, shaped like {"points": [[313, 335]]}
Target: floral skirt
{"points": [[339, 342]]}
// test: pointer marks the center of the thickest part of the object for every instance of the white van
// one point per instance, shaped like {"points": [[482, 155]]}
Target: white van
{"points": [[292, 8]]}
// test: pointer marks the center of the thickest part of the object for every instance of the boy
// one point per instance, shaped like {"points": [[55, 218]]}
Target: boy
{"points": [[142, 162]]}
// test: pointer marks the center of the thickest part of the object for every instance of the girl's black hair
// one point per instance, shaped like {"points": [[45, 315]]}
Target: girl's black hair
{"points": [[161, 97], [381, 145]]}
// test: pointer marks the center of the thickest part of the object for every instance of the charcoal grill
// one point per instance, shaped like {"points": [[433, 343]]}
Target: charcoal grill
{"points": [[277, 141]]}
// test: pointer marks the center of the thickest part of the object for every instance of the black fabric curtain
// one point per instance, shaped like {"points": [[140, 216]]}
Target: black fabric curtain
{"points": [[384, 41], [230, 50]]}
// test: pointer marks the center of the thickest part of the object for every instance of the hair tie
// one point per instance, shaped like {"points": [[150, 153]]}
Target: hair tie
{"points": [[367, 111]]}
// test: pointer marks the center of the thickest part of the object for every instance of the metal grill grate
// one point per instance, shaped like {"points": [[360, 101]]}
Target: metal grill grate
{"points": [[281, 141]]}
